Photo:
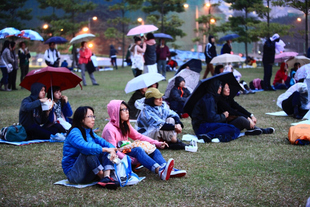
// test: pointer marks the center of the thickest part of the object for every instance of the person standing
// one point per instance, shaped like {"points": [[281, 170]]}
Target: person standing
{"points": [[5, 60], [13, 73], [150, 54], [24, 55], [226, 49], [113, 56], [268, 60], [162, 52], [210, 53], [52, 56], [85, 57], [137, 56]]}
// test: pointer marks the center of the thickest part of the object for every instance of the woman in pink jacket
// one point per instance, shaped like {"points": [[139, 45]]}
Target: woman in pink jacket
{"points": [[85, 54], [119, 129]]}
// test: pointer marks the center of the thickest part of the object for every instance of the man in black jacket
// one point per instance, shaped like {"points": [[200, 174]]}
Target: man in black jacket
{"points": [[210, 53]]}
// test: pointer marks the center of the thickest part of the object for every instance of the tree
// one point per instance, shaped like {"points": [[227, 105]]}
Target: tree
{"points": [[163, 7], [300, 5], [12, 14], [122, 7], [242, 24]]}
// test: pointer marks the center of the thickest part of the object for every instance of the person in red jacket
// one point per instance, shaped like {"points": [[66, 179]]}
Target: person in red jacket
{"points": [[162, 52], [280, 80]]}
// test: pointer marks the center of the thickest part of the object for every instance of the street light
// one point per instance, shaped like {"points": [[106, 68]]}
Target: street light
{"points": [[140, 20], [85, 29], [212, 21], [207, 4], [45, 26], [94, 18], [298, 19], [90, 45], [185, 6]]}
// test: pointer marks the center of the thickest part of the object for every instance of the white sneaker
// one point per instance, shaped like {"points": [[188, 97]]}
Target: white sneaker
{"points": [[59, 137], [164, 173], [176, 173]]}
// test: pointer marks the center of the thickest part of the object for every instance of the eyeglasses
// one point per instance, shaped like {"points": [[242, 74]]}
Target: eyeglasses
{"points": [[91, 117], [124, 110]]}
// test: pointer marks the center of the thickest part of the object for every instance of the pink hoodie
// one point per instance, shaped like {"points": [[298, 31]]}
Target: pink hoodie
{"points": [[113, 134]]}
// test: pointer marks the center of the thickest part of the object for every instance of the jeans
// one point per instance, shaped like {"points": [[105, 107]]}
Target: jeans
{"points": [[267, 75], [5, 76], [161, 67], [151, 161], [36, 132], [86, 167], [113, 62]]}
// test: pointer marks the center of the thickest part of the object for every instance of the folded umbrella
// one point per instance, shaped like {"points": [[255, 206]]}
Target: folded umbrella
{"points": [[226, 58], [143, 81], [81, 38], [142, 29], [50, 76], [163, 36], [279, 58], [30, 34], [8, 32], [56, 40], [200, 90]]}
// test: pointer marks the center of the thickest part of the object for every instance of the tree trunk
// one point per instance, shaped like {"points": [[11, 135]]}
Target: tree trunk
{"points": [[246, 33], [123, 44]]}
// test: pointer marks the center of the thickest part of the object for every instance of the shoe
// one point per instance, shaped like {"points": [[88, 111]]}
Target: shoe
{"points": [[254, 132], [268, 130], [59, 137], [176, 173], [109, 183], [297, 116], [95, 84], [245, 92], [205, 138], [164, 173]]}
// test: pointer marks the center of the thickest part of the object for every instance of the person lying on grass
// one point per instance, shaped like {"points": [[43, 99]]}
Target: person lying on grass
{"points": [[119, 129], [85, 153]]}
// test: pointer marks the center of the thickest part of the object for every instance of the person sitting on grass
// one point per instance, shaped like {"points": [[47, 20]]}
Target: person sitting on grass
{"points": [[281, 80], [207, 123], [31, 116], [85, 153], [138, 94], [61, 109], [239, 116], [119, 129], [159, 122], [178, 95]]}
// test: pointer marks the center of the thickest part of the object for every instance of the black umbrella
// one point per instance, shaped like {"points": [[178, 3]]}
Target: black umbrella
{"points": [[200, 89], [193, 64], [56, 40]]}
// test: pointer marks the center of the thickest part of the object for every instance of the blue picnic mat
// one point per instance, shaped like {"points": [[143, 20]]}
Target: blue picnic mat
{"points": [[24, 142]]}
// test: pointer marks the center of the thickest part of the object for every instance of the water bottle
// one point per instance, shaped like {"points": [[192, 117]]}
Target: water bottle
{"points": [[115, 161]]}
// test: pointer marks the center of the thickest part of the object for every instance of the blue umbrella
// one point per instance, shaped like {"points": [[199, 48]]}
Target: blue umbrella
{"points": [[30, 34], [8, 32], [162, 36], [56, 40], [228, 37]]}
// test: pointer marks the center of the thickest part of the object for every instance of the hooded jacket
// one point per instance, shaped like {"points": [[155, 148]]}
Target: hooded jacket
{"points": [[30, 110], [113, 134], [269, 52], [150, 52], [113, 51], [210, 50], [280, 75], [177, 93]]}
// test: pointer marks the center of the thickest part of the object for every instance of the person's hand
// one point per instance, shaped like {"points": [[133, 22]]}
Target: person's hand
{"points": [[226, 114], [65, 98], [178, 128], [112, 152], [42, 100], [254, 119], [252, 124], [163, 145]]}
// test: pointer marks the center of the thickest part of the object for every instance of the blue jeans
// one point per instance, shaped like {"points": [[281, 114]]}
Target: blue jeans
{"points": [[151, 161], [86, 167], [5, 76], [161, 67]]}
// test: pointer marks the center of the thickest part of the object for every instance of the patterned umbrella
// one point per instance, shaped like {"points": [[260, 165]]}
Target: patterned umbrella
{"points": [[8, 32], [30, 34]]}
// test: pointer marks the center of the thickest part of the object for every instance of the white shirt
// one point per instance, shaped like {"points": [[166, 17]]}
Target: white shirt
{"points": [[51, 56]]}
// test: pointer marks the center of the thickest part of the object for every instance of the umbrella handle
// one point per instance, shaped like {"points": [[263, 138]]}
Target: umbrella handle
{"points": [[81, 86]]}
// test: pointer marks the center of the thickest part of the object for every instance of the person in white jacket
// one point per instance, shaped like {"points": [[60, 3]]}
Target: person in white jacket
{"points": [[52, 56]]}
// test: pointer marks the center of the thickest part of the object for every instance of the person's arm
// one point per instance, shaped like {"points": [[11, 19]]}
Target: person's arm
{"points": [[8, 57], [168, 52], [209, 110], [48, 59], [240, 109], [28, 105], [175, 96], [141, 50], [67, 110]]}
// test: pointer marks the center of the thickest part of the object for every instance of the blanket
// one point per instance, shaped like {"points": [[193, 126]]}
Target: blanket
{"points": [[278, 113], [190, 137], [24, 142]]}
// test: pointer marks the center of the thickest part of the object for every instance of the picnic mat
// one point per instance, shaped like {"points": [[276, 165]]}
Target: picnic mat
{"points": [[278, 113], [301, 122], [190, 137], [66, 183], [24, 142]]}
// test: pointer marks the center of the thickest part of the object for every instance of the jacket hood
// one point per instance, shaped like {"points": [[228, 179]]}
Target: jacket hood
{"points": [[213, 87], [178, 80], [35, 90], [114, 111], [210, 37], [150, 42], [111, 47]]}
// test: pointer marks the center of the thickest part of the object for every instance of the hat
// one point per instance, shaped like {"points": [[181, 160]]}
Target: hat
{"points": [[153, 93], [274, 37]]}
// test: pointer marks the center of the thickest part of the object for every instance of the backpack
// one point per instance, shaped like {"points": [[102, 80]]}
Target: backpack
{"points": [[14, 133], [299, 134]]}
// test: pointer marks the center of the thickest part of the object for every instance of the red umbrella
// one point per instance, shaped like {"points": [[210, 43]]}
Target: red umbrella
{"points": [[51, 76]]}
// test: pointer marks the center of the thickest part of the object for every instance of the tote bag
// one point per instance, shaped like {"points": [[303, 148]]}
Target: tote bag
{"points": [[8, 66], [137, 60]]}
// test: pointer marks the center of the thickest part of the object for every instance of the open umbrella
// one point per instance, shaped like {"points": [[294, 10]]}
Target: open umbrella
{"points": [[228, 37], [8, 32], [303, 60], [30, 34], [279, 58], [163, 36], [81, 38], [142, 29], [200, 90], [226, 58], [50, 76], [143, 81], [56, 40], [192, 64]]}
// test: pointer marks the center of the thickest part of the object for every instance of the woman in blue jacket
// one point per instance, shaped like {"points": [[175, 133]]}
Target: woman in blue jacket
{"points": [[85, 153]]}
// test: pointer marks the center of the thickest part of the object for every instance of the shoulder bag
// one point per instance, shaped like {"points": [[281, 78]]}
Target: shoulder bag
{"points": [[8, 66]]}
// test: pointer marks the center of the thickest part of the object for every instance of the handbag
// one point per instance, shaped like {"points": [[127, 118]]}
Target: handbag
{"points": [[137, 60], [14, 133], [8, 66], [90, 67]]}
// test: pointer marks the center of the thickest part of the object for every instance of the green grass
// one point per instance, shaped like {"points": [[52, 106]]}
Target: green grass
{"points": [[260, 170]]}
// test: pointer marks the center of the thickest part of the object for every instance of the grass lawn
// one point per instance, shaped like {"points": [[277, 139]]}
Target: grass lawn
{"points": [[260, 170]]}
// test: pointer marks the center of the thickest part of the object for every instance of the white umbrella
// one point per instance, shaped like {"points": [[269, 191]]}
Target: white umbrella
{"points": [[226, 58], [143, 81], [303, 60], [81, 38]]}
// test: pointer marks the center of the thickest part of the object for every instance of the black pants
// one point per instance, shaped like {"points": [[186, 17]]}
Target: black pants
{"points": [[241, 123], [36, 132], [138, 72], [267, 75], [292, 102], [24, 69], [177, 106], [12, 79]]}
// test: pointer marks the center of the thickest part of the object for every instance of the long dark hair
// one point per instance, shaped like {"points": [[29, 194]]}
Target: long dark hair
{"points": [[54, 88], [78, 117], [124, 126], [6, 44]]}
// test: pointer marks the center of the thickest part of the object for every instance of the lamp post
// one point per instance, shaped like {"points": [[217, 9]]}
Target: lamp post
{"points": [[94, 18]]}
